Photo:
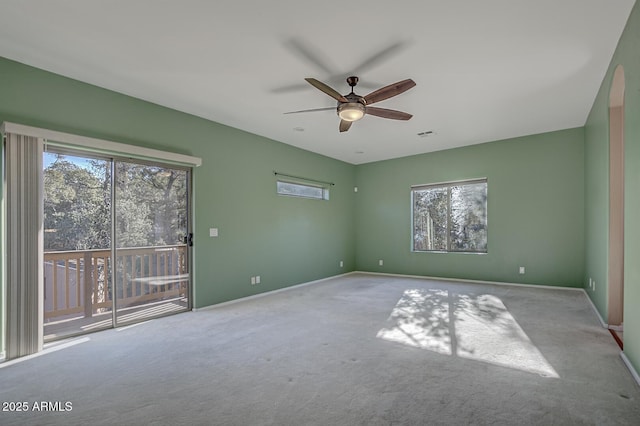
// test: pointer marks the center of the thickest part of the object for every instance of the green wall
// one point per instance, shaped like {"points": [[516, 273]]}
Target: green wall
{"points": [[535, 211], [284, 240], [597, 204], [597, 191], [547, 196]]}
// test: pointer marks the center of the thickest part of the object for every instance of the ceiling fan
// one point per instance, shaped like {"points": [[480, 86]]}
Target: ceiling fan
{"points": [[353, 107]]}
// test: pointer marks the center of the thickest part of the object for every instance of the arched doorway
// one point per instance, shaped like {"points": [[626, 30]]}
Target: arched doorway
{"points": [[616, 202]]}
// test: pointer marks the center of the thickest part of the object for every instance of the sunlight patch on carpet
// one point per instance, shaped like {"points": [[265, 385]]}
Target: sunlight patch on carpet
{"points": [[421, 320], [477, 327]]}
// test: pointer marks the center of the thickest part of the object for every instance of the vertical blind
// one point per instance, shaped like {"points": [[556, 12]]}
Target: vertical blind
{"points": [[24, 242]]}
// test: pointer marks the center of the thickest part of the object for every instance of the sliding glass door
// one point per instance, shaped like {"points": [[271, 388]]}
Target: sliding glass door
{"points": [[97, 210], [77, 244], [151, 234]]}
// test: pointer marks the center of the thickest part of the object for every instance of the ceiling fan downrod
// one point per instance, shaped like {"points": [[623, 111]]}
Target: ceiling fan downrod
{"points": [[352, 81]]}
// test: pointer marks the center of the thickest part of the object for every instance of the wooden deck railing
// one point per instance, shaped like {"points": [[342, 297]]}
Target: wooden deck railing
{"points": [[77, 283]]}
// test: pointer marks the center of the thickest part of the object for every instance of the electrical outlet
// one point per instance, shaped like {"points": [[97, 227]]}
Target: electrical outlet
{"points": [[380, 262], [341, 264], [253, 280], [258, 279], [521, 271]]}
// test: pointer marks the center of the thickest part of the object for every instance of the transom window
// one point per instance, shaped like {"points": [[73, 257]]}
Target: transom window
{"points": [[450, 216], [304, 190]]}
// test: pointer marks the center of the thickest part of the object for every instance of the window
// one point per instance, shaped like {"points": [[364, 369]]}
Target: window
{"points": [[302, 190], [450, 217]]}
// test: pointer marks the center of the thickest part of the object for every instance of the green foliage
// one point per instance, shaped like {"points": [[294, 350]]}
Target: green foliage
{"points": [[430, 219], [151, 205], [450, 218], [75, 214]]}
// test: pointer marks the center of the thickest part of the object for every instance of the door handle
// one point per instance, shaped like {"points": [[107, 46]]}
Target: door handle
{"points": [[188, 239]]}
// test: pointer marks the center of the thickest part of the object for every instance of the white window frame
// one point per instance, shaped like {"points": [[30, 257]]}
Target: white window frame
{"points": [[447, 185], [305, 184], [101, 146]]}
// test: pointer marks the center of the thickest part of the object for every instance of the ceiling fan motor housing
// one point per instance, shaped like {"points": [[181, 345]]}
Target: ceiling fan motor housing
{"points": [[354, 109]]}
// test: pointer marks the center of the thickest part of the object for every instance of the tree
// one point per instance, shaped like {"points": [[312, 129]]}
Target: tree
{"points": [[151, 204], [74, 211], [451, 217]]}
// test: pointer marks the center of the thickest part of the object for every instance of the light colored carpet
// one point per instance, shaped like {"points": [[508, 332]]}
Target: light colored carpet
{"points": [[354, 350]]}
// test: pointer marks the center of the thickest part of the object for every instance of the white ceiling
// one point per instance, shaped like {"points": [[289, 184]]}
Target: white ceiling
{"points": [[485, 70]]}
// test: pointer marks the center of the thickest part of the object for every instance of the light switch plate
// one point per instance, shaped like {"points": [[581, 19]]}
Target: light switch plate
{"points": [[213, 232]]}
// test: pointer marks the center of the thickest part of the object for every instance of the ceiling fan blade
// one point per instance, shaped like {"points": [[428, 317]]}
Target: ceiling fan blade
{"points": [[388, 113], [311, 110], [332, 79], [345, 125], [326, 89], [389, 91], [378, 58], [310, 54]]}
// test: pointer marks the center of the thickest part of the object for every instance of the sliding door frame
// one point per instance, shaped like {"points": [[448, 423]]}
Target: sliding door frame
{"points": [[93, 147], [189, 230], [113, 160]]}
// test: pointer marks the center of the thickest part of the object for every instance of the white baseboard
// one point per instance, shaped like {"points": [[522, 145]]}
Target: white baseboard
{"points": [[602, 321], [604, 324], [267, 293], [463, 280], [51, 347], [632, 370]]}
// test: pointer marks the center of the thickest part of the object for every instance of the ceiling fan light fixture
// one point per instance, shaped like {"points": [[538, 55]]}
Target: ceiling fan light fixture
{"points": [[352, 107], [351, 111]]}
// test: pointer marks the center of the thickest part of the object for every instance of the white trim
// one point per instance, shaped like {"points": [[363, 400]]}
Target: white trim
{"points": [[45, 351], [449, 183], [462, 280], [268, 293], [126, 327], [632, 370], [99, 145], [604, 324]]}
